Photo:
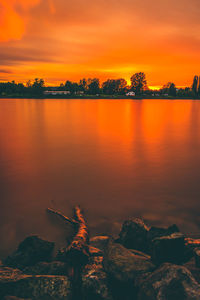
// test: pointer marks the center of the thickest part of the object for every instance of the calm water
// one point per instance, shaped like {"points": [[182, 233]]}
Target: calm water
{"points": [[117, 158]]}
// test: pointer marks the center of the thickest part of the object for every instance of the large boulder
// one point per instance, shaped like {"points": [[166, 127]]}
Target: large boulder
{"points": [[48, 268], [134, 235], [155, 232], [197, 257], [191, 266], [123, 265], [169, 282], [36, 287], [29, 252], [168, 249], [94, 281], [14, 298]]}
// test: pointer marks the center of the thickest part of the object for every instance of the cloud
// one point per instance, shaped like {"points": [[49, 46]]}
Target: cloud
{"points": [[69, 39], [12, 20]]}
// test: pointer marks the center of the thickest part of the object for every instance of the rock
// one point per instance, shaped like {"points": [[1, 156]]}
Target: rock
{"points": [[36, 287], [134, 235], [191, 266], [31, 251], [139, 253], [124, 266], [94, 281], [168, 249], [197, 257], [170, 282], [45, 268], [156, 232], [14, 298], [99, 242]]}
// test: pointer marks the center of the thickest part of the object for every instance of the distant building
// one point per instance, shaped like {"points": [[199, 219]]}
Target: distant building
{"points": [[54, 93], [130, 94], [79, 93]]}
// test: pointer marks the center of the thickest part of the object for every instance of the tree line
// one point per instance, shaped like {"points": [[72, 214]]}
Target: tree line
{"points": [[92, 86]]}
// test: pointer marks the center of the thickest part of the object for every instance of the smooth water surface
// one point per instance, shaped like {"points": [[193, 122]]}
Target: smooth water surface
{"points": [[116, 158]]}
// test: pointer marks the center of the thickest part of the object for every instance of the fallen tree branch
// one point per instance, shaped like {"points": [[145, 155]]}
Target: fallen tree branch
{"points": [[63, 217], [77, 253]]}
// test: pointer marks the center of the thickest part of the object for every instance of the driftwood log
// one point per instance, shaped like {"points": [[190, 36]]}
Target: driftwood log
{"points": [[77, 253]]}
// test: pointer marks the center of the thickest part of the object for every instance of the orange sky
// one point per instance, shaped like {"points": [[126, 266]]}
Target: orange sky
{"points": [[61, 40]]}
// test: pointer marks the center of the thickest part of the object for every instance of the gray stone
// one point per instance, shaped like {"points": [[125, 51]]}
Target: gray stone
{"points": [[168, 249], [156, 232], [36, 287], [197, 257], [134, 235], [45, 268], [170, 282], [121, 264], [31, 251], [94, 281]]}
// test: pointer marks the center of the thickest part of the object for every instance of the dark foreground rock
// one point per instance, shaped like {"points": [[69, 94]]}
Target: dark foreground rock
{"points": [[14, 298], [45, 268], [121, 264], [134, 235], [95, 281], [170, 282], [31, 251], [156, 232], [168, 249], [197, 257], [40, 287]]}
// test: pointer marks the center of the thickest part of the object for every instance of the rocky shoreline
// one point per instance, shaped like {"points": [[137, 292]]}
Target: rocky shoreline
{"points": [[144, 263]]}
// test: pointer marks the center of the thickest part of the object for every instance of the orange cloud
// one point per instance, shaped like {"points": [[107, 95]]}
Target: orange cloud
{"points": [[60, 40], [12, 22]]}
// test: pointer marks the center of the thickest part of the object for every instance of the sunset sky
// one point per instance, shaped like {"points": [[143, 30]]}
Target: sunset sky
{"points": [[61, 40]]}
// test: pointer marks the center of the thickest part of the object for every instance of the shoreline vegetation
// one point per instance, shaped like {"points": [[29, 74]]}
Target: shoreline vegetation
{"points": [[92, 89], [142, 262]]}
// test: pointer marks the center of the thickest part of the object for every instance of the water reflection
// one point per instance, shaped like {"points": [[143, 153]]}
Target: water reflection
{"points": [[116, 158]]}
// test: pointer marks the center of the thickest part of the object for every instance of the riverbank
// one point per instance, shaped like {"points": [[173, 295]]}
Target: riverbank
{"points": [[144, 262], [100, 97]]}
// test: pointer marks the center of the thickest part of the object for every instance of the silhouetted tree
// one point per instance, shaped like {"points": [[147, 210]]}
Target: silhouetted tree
{"points": [[108, 87], [195, 85], [83, 85], [114, 86], [120, 86], [199, 87], [93, 86], [138, 83], [169, 89], [72, 87]]}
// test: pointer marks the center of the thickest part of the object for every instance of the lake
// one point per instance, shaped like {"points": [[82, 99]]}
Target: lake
{"points": [[116, 158]]}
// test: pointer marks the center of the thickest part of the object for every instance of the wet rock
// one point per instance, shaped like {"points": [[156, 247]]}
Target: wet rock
{"points": [[94, 281], [168, 249], [197, 257], [45, 268], [134, 235], [139, 253], [31, 251], [156, 232], [14, 298], [170, 282], [99, 242], [191, 266], [121, 264], [40, 287]]}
